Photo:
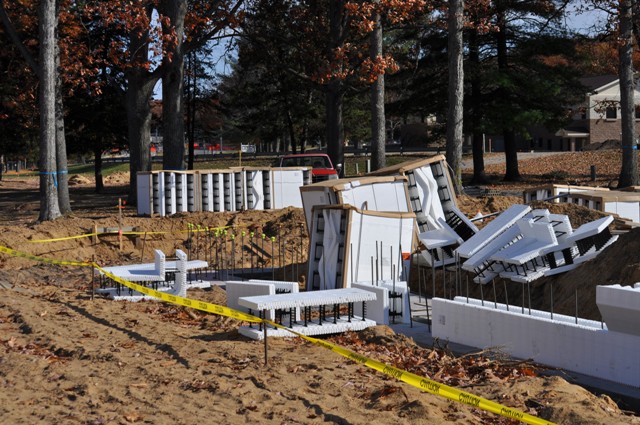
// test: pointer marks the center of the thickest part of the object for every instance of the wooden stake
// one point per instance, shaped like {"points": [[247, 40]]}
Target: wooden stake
{"points": [[144, 241], [95, 234]]}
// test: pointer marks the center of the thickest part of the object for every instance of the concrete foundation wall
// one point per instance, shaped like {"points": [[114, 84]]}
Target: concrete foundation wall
{"points": [[584, 347]]}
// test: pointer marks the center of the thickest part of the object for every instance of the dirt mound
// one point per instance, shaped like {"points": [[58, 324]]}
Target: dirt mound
{"points": [[78, 180], [121, 178], [578, 215], [618, 264], [99, 361]]}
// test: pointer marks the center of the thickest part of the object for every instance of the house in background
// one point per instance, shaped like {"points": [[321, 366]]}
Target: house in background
{"points": [[596, 120]]}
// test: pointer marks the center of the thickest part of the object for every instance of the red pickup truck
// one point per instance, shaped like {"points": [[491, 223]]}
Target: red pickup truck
{"points": [[322, 168]]}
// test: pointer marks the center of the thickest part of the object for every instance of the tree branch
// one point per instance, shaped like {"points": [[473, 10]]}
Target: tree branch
{"points": [[13, 35]]}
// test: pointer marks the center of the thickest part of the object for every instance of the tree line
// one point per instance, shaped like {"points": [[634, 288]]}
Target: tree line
{"points": [[80, 76]]}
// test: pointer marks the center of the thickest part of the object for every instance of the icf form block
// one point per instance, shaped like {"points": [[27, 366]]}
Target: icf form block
{"points": [[350, 245], [384, 193]]}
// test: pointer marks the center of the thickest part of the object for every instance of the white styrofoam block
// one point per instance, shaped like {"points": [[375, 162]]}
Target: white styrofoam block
{"points": [[237, 289], [182, 203], [286, 188], [377, 310], [306, 299], [291, 287], [343, 325], [629, 210], [492, 230], [180, 285], [159, 193], [376, 196], [586, 347], [402, 304], [504, 239], [312, 198], [367, 234], [147, 272], [169, 192], [619, 307], [590, 229], [144, 190], [254, 190]]}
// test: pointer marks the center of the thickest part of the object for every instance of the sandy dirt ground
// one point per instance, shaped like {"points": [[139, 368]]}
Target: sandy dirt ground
{"points": [[66, 358]]}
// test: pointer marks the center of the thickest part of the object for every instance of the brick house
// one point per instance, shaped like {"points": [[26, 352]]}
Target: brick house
{"points": [[596, 120]]}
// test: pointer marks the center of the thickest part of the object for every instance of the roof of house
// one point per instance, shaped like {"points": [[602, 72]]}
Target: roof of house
{"points": [[593, 83]]}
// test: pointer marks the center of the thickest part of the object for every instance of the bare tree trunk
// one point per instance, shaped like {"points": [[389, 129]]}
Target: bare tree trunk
{"points": [[335, 92], [335, 125], [629, 170], [49, 209], [378, 134], [512, 173], [139, 92], [479, 176], [61, 146], [140, 84], [456, 91], [191, 108], [97, 169], [292, 132], [172, 87], [510, 149]]}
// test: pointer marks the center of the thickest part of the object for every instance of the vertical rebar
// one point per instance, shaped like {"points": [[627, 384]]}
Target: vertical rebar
{"points": [[351, 261], [495, 297], [300, 246], [251, 235], [426, 299], [372, 275], [375, 276], [280, 254], [576, 305], [262, 254], [273, 257], [242, 254], [506, 294], [551, 291], [394, 293], [393, 273], [467, 283], [226, 257], [233, 254]]}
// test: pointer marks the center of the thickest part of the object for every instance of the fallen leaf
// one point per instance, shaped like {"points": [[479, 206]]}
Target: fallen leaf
{"points": [[133, 417]]}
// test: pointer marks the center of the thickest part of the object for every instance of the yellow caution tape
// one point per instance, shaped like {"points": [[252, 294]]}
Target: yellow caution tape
{"points": [[187, 302], [412, 379], [42, 259], [116, 232], [86, 235], [425, 384]]}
